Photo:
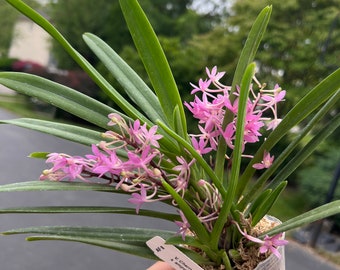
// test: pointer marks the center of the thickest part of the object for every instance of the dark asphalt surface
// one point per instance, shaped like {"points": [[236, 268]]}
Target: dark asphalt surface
{"points": [[16, 254], [299, 257]]}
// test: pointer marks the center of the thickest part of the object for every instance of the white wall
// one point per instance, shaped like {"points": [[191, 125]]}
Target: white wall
{"points": [[30, 42]]}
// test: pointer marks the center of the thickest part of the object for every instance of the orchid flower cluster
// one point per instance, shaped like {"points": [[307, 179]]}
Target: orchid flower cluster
{"points": [[210, 110], [141, 173]]}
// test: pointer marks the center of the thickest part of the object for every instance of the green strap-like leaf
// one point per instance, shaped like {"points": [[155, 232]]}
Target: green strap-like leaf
{"points": [[133, 248], [56, 186], [247, 56], [318, 213], [252, 44], [259, 200], [267, 204], [178, 128], [108, 233], [69, 132], [127, 240], [154, 60], [88, 209], [189, 240], [133, 85], [229, 197], [41, 155], [58, 95]]}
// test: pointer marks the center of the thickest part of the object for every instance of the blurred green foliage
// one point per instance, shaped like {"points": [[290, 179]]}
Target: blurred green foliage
{"points": [[170, 18], [302, 42], [316, 177]]}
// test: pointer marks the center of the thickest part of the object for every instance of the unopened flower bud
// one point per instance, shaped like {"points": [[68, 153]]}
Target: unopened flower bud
{"points": [[125, 187], [157, 172], [201, 183]]}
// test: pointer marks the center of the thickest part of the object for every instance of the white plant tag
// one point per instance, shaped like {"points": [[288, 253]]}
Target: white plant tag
{"points": [[171, 255]]}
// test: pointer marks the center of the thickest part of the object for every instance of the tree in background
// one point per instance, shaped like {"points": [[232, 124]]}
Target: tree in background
{"points": [[316, 177], [170, 18], [301, 44], [8, 17]]}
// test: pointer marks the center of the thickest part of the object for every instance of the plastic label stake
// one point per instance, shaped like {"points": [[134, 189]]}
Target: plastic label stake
{"points": [[171, 255]]}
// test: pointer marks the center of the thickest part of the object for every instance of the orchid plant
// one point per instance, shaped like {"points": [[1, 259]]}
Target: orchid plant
{"points": [[144, 148]]}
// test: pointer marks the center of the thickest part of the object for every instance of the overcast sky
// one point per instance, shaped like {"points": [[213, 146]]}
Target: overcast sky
{"points": [[205, 6]]}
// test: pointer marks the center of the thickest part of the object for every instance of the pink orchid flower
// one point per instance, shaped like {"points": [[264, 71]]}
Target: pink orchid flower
{"points": [[265, 163], [269, 243]]}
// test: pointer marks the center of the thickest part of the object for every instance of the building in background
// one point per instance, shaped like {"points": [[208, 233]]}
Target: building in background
{"points": [[30, 43]]}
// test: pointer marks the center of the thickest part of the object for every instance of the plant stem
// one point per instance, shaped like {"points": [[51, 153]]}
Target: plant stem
{"points": [[226, 261], [235, 169]]}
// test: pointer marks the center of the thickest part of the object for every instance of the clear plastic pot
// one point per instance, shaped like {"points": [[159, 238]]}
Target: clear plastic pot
{"points": [[273, 262]]}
